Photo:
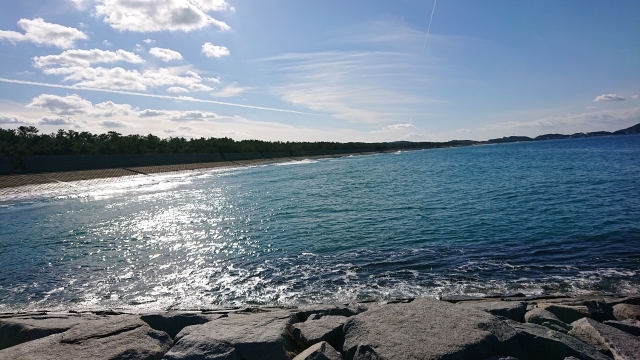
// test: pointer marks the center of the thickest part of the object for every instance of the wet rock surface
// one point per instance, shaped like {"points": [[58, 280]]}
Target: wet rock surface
{"points": [[510, 328]]}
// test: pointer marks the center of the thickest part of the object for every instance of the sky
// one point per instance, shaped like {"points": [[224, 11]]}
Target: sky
{"points": [[285, 70]]}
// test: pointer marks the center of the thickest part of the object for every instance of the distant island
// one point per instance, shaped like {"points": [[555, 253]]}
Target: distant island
{"points": [[25, 143]]}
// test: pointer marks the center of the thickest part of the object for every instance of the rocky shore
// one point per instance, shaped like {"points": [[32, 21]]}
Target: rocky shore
{"points": [[514, 327]]}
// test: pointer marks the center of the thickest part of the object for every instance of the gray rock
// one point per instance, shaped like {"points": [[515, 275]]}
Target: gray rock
{"points": [[513, 310], [545, 318], [305, 312], [17, 329], [567, 313], [599, 309], [246, 336], [173, 322], [319, 351], [427, 329], [626, 311], [607, 339], [118, 337], [540, 342], [502, 358], [629, 326], [326, 328]]}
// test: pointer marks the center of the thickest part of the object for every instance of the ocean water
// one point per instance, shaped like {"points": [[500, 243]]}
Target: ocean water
{"points": [[557, 216]]}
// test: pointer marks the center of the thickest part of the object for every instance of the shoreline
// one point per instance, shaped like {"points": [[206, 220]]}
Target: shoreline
{"points": [[595, 326], [8, 182]]}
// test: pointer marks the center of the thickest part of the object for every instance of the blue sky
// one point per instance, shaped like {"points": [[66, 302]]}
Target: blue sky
{"points": [[323, 70]]}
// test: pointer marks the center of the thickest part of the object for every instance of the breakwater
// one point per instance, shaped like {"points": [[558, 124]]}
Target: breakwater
{"points": [[59, 163], [510, 327]]}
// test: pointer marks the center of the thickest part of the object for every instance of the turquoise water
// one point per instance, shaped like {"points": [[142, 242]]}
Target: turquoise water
{"points": [[545, 217]]}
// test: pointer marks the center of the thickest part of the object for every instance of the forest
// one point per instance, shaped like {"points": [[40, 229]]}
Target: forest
{"points": [[27, 141]]}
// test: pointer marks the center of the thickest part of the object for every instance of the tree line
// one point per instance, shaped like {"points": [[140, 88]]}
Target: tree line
{"points": [[26, 141]]}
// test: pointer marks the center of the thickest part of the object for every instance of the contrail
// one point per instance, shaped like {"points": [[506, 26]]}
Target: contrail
{"points": [[179, 98], [429, 28]]}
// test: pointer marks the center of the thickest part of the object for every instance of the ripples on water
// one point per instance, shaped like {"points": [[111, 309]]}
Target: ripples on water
{"points": [[554, 216]]}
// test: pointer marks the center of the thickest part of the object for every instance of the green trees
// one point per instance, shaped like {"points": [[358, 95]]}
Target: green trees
{"points": [[26, 140]]}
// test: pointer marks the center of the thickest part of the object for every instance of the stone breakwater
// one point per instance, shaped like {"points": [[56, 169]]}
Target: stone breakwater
{"points": [[592, 327]]}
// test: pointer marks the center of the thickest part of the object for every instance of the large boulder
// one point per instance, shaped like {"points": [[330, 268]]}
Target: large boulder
{"points": [[607, 339], [540, 342], [326, 328], [545, 318], [513, 310], [629, 326], [567, 313], [319, 351], [16, 329], [427, 329], [116, 337], [242, 336], [626, 311]]}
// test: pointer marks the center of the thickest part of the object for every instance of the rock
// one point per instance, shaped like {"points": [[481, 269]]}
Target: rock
{"points": [[427, 329], [304, 313], [567, 313], [242, 336], [117, 337], [502, 358], [319, 351], [598, 307], [607, 339], [545, 318], [172, 323], [326, 328], [629, 326], [626, 311], [631, 300], [17, 329], [542, 343], [511, 310]]}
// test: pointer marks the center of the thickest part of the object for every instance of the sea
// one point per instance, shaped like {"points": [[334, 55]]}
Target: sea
{"points": [[548, 217]]}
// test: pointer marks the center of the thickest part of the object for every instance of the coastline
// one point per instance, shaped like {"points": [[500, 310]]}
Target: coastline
{"points": [[10, 182], [511, 327]]}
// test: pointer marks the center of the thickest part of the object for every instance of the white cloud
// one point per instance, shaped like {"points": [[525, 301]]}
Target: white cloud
{"points": [[63, 106], [230, 90], [200, 87], [609, 97], [212, 5], [215, 51], [13, 119], [112, 124], [177, 89], [192, 115], [594, 118], [121, 79], [107, 43], [86, 58], [57, 120], [165, 55], [68, 105], [139, 48], [41, 32], [151, 16], [151, 113], [463, 130], [214, 79], [635, 97], [395, 127], [148, 41]]}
